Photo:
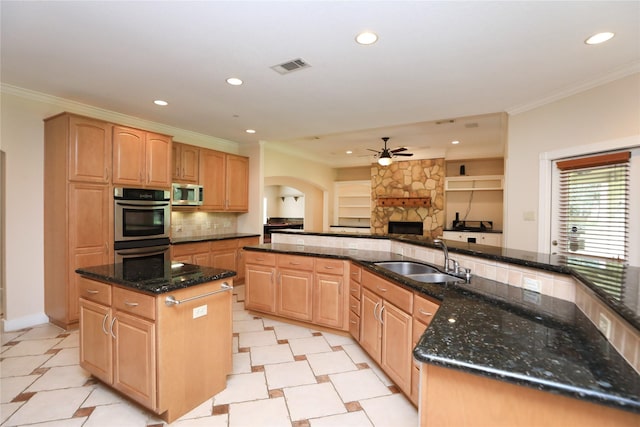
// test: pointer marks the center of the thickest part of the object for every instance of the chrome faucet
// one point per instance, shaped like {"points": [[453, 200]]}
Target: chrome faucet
{"points": [[439, 242]]}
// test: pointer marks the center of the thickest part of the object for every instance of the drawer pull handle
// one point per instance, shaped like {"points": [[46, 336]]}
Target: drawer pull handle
{"points": [[294, 263], [259, 259], [131, 304], [354, 322], [381, 289], [328, 267], [425, 313], [171, 301], [92, 291], [354, 306]]}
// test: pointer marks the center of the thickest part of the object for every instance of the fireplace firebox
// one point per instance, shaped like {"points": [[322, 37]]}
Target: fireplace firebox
{"points": [[406, 227]]}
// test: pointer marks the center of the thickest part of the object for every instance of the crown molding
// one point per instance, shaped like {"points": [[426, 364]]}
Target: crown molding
{"points": [[624, 71], [207, 141]]}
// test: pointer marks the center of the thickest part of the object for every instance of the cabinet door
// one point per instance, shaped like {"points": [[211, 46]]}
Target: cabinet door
{"points": [[175, 161], [90, 222], [396, 346], [95, 340], [134, 370], [370, 328], [128, 156], [260, 291], [224, 258], [328, 300], [157, 160], [203, 259], [212, 178], [89, 150], [240, 261], [237, 188], [189, 157], [294, 294]]}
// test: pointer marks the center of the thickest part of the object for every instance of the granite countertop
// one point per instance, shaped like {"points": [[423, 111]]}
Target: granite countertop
{"points": [[212, 237], [171, 278], [508, 333]]}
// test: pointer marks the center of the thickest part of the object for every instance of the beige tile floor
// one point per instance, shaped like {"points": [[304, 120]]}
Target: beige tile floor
{"points": [[283, 375]]}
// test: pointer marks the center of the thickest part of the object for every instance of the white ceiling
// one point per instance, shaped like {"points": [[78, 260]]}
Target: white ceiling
{"points": [[433, 61]]}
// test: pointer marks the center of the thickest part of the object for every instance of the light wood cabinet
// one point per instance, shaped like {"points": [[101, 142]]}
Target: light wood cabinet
{"points": [[225, 178], [294, 288], [185, 163], [354, 301], [224, 254], [78, 211], [330, 298], [160, 356], [141, 158], [260, 280], [386, 327], [240, 256], [191, 253]]}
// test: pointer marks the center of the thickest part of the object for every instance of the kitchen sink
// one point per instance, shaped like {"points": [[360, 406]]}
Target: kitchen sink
{"points": [[418, 272], [434, 278], [407, 267]]}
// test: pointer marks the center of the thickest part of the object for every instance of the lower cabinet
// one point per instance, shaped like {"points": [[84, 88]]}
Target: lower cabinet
{"points": [[354, 301], [297, 287], [227, 254], [423, 311], [386, 327], [156, 354]]}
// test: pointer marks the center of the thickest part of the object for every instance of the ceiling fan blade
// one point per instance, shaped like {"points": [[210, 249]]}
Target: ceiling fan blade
{"points": [[371, 149], [403, 154], [399, 149]]}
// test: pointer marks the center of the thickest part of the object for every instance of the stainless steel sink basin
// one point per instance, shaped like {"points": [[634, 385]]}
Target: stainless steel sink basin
{"points": [[434, 278], [406, 268]]}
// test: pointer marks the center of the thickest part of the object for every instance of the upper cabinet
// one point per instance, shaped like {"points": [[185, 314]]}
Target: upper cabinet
{"points": [[185, 160], [225, 178], [141, 158], [89, 150]]}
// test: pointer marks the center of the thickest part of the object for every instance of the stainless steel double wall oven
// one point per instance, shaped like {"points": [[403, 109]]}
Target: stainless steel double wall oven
{"points": [[142, 220]]}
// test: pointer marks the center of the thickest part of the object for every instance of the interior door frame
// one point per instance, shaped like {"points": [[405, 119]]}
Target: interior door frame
{"points": [[546, 206]]}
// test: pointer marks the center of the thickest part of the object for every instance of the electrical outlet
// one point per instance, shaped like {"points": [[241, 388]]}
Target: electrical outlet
{"points": [[353, 246], [300, 242], [200, 311], [604, 324], [531, 284]]}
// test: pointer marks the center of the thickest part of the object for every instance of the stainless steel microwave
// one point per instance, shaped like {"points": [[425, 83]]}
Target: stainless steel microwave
{"points": [[187, 194]]}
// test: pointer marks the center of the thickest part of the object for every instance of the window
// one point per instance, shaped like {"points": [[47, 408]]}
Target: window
{"points": [[594, 206]]}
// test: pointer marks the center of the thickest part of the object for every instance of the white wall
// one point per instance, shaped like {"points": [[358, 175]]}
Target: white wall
{"points": [[22, 139], [604, 113]]}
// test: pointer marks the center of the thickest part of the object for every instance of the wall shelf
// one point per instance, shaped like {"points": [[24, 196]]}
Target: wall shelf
{"points": [[474, 183]]}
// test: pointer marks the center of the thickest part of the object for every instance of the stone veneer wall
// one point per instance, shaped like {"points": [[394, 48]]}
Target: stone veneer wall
{"points": [[413, 178]]}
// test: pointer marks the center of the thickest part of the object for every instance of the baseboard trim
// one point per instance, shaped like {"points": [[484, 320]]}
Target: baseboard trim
{"points": [[9, 325]]}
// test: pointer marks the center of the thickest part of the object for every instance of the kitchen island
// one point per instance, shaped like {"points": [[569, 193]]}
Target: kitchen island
{"points": [[556, 366], [162, 336]]}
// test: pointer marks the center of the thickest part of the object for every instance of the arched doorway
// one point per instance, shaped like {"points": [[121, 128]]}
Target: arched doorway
{"points": [[315, 200]]}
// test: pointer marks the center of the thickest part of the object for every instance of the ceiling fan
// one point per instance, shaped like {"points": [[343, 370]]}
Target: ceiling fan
{"points": [[385, 156]]}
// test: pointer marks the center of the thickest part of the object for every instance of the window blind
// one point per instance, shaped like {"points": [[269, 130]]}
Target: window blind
{"points": [[594, 206]]}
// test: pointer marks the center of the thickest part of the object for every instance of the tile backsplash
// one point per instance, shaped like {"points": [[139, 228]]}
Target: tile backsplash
{"points": [[201, 224]]}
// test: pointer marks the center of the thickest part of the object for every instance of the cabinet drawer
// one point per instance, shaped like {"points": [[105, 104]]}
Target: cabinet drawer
{"points": [[356, 273], [424, 309], [94, 291], [224, 244], [329, 266], [354, 289], [295, 262], [189, 249], [260, 258], [354, 325], [401, 298], [134, 303], [354, 304]]}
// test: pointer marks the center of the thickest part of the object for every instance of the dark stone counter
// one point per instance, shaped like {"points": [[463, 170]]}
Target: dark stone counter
{"points": [[508, 333], [155, 282], [210, 238]]}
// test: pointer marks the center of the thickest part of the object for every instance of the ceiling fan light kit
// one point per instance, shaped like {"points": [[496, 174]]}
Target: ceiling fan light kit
{"points": [[385, 157]]}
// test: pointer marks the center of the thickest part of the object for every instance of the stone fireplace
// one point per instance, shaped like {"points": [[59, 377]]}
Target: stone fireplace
{"points": [[408, 191]]}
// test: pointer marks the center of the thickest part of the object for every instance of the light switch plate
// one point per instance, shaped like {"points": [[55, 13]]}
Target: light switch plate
{"points": [[532, 285], [604, 324]]}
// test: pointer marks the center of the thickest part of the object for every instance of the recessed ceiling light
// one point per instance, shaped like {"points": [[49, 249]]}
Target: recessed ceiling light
{"points": [[234, 81], [455, 142], [161, 102], [367, 37], [250, 131], [599, 38], [349, 152]]}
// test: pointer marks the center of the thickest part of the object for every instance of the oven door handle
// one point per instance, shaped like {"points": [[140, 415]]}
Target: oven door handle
{"points": [[144, 205], [144, 251]]}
